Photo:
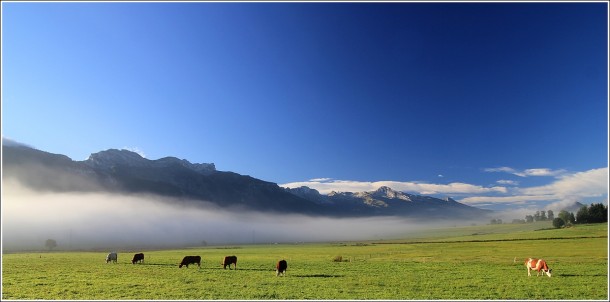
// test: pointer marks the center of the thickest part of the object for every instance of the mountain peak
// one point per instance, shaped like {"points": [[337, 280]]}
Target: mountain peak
{"points": [[112, 157], [387, 192]]}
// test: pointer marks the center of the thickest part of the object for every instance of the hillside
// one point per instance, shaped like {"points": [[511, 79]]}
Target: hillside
{"points": [[122, 171]]}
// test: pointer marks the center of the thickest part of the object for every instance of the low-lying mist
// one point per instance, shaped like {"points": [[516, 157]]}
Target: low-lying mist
{"points": [[111, 221]]}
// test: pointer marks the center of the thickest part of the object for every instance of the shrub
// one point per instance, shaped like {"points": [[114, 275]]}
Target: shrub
{"points": [[558, 222]]}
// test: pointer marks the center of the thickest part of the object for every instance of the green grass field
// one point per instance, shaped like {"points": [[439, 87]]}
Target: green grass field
{"points": [[453, 263]]}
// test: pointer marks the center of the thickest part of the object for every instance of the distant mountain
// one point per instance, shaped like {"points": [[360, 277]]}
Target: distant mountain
{"points": [[385, 201], [122, 171]]}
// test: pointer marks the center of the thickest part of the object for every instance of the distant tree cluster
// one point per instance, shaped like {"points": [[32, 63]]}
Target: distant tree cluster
{"points": [[567, 217], [594, 213], [540, 216], [496, 221]]}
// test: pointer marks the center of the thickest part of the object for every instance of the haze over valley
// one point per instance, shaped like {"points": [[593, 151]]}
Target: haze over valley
{"points": [[175, 123], [117, 198]]}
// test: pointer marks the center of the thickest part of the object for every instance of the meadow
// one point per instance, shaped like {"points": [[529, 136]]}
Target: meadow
{"points": [[457, 263]]}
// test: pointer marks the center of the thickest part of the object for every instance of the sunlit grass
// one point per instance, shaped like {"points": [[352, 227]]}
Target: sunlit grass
{"points": [[441, 267]]}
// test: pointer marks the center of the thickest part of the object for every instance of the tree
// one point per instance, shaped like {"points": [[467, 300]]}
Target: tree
{"points": [[598, 213], [550, 215], [542, 215], [572, 218], [558, 222], [496, 221], [565, 216], [50, 244], [582, 216], [537, 216], [529, 218]]}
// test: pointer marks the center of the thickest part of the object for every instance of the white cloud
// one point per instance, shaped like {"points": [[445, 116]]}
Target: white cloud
{"points": [[528, 172], [323, 179], [501, 169], [592, 183], [569, 187], [543, 172], [508, 182], [562, 204], [566, 187], [418, 187], [516, 199]]}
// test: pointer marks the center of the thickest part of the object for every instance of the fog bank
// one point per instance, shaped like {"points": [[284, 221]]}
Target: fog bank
{"points": [[105, 221]]}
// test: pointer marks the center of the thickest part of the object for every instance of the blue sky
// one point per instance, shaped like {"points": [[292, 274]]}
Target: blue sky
{"points": [[498, 105]]}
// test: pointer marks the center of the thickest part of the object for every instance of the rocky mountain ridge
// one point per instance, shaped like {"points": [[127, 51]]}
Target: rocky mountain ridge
{"points": [[123, 171], [108, 159]]}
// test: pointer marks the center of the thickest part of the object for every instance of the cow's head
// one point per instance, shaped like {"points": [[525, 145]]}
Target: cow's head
{"points": [[548, 273]]}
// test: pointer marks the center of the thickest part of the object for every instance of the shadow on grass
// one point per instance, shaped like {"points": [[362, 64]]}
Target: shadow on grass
{"points": [[239, 269], [318, 276], [584, 275], [152, 264]]}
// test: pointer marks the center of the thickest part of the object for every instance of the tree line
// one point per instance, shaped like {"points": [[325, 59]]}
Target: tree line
{"points": [[594, 213]]}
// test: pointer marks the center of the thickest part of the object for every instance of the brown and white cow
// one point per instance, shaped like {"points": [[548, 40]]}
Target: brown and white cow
{"points": [[228, 261], [538, 265], [280, 267]]}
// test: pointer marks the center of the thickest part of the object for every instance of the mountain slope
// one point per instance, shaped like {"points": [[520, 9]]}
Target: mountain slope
{"points": [[122, 171]]}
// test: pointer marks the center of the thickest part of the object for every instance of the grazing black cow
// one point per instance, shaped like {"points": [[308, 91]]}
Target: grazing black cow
{"points": [[190, 260], [138, 258], [281, 267], [228, 261], [112, 257]]}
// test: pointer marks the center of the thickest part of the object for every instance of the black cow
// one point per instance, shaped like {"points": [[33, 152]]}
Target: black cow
{"points": [[281, 267], [228, 261], [190, 260], [138, 258]]}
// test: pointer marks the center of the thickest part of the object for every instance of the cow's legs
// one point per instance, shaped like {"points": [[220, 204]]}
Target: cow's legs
{"points": [[528, 272]]}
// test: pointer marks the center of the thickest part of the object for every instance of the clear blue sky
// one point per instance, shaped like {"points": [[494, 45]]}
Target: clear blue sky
{"points": [[493, 104]]}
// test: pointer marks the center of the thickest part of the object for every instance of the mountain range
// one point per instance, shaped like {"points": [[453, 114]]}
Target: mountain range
{"points": [[126, 172]]}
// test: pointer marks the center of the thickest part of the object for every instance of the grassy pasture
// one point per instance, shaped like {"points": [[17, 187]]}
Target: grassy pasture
{"points": [[453, 263]]}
